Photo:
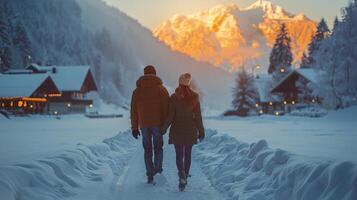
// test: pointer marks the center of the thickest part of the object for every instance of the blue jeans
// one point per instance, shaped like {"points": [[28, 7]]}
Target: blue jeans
{"points": [[152, 140], [183, 158]]}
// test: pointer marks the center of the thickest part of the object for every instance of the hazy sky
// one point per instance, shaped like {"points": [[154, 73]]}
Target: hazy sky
{"points": [[151, 13]]}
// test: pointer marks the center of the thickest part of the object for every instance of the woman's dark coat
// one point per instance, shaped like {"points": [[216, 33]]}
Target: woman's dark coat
{"points": [[186, 124]]}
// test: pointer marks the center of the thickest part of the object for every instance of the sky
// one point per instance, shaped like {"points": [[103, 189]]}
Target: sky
{"points": [[152, 13]]}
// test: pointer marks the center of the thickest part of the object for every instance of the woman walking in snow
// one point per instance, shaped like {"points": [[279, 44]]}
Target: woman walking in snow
{"points": [[185, 118]]}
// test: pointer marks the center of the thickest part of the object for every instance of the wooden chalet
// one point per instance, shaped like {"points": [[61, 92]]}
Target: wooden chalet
{"points": [[290, 88], [74, 82], [26, 93], [267, 103]]}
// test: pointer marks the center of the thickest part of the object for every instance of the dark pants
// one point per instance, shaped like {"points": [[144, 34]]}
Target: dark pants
{"points": [[152, 140], [183, 158]]}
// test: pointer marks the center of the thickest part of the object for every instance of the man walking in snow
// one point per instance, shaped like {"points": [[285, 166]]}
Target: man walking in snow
{"points": [[149, 105]]}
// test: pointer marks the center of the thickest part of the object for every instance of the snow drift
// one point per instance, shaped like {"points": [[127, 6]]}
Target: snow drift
{"points": [[242, 171], [61, 176]]}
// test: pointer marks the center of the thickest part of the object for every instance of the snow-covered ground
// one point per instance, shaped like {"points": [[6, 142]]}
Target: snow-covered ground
{"points": [[77, 158], [28, 138], [333, 136]]}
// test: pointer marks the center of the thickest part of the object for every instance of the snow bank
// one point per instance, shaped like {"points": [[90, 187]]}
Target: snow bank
{"points": [[310, 112], [242, 171], [63, 175]]}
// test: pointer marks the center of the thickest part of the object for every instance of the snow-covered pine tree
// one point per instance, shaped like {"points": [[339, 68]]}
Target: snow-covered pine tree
{"points": [[22, 41], [5, 40], [336, 61], [304, 61], [244, 94], [336, 22], [322, 32], [281, 56]]}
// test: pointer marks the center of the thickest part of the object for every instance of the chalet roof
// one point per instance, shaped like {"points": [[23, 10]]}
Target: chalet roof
{"points": [[263, 84], [308, 73], [20, 85], [67, 78]]}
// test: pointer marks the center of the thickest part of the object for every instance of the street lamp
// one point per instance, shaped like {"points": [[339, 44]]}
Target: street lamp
{"points": [[255, 69]]}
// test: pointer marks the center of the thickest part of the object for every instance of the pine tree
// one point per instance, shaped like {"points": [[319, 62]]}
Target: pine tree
{"points": [[245, 94], [22, 41], [281, 56], [336, 60], [5, 40], [321, 34], [5, 59], [335, 24], [304, 61]]}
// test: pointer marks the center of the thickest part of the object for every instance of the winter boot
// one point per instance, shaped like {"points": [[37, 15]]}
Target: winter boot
{"points": [[158, 171], [182, 180], [150, 180]]}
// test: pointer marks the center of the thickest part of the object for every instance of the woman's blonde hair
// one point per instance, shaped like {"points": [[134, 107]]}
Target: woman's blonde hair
{"points": [[189, 97]]}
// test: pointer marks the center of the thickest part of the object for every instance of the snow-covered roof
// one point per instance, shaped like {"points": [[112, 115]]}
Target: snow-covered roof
{"points": [[18, 71], [263, 84], [20, 85], [66, 78], [308, 73]]}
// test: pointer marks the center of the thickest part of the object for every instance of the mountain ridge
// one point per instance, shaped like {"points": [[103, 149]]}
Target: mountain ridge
{"points": [[229, 36]]}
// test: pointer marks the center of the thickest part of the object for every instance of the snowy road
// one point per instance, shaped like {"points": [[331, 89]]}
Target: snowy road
{"points": [[132, 183]]}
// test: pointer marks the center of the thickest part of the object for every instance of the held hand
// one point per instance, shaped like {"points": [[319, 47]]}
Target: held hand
{"points": [[162, 131], [135, 133]]}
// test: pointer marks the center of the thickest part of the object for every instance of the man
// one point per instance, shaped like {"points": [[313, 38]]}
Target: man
{"points": [[149, 105]]}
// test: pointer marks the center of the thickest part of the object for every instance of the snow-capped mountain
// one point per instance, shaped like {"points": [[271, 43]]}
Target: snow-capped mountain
{"points": [[228, 36]]}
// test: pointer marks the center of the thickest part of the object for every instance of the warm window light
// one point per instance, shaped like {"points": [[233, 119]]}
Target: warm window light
{"points": [[69, 105], [55, 112], [282, 70], [55, 95], [3, 105], [261, 112], [270, 103], [25, 104], [313, 101], [293, 102], [34, 99], [285, 102], [257, 67], [91, 105], [45, 95], [256, 105], [20, 103], [277, 113], [31, 106], [11, 104]]}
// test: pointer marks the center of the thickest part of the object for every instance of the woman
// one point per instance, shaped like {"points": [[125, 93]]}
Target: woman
{"points": [[185, 118]]}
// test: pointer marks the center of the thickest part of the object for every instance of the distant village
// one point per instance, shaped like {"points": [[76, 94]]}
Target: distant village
{"points": [[46, 90], [58, 90]]}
